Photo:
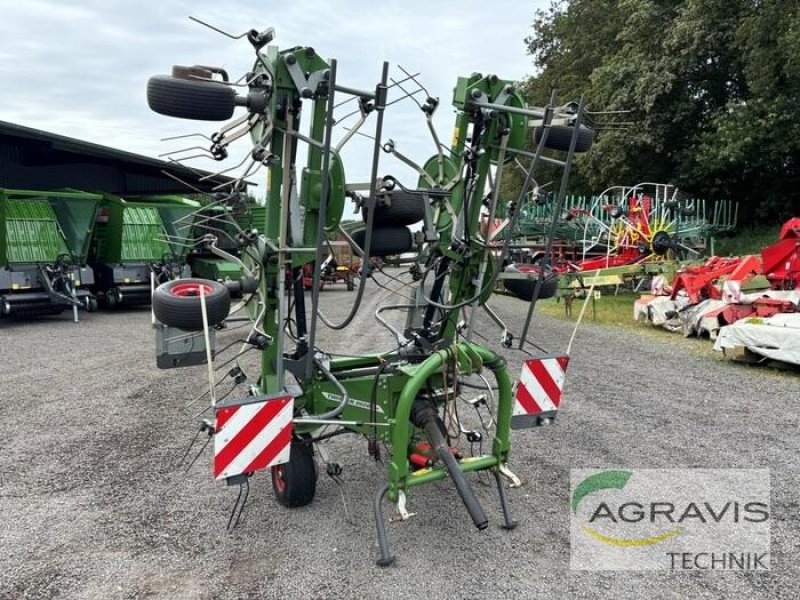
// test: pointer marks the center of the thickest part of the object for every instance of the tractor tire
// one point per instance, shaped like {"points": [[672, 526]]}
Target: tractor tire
{"points": [[386, 241], [190, 99], [404, 209], [177, 303], [560, 136], [524, 288], [295, 482]]}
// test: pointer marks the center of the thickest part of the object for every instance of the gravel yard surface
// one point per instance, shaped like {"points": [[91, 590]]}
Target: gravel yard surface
{"points": [[94, 505]]}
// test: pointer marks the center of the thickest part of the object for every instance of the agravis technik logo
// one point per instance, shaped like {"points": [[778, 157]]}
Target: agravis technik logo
{"points": [[613, 480], [670, 518]]}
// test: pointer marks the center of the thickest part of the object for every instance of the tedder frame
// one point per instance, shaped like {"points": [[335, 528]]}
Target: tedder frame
{"points": [[396, 398]]}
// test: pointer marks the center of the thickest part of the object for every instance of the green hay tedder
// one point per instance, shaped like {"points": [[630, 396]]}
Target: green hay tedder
{"points": [[404, 399]]}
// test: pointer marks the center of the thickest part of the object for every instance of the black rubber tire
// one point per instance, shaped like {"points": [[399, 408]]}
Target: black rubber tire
{"points": [[524, 288], [404, 209], [295, 482], [560, 136], [190, 99], [174, 309], [386, 241], [351, 285]]}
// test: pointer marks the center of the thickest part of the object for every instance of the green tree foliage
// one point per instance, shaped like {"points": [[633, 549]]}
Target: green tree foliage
{"points": [[712, 89]]}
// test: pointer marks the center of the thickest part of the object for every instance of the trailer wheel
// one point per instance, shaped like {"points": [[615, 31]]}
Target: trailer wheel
{"points": [[386, 241], [190, 98], [295, 482], [403, 209], [177, 303], [560, 136]]}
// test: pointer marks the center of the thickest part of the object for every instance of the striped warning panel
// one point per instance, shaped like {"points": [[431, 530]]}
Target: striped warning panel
{"points": [[251, 435], [538, 390]]}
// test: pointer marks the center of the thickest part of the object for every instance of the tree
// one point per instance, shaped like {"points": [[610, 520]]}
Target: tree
{"points": [[711, 87]]}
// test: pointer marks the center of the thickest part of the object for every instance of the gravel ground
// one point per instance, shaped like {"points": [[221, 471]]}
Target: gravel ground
{"points": [[94, 506]]}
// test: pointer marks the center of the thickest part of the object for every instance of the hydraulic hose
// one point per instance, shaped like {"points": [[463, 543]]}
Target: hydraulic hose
{"points": [[424, 415]]}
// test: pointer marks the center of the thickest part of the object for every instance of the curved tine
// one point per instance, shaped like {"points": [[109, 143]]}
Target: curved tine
{"points": [[226, 220], [395, 101], [184, 136], [181, 243], [351, 132], [267, 133], [236, 83], [228, 170], [186, 183], [406, 92], [366, 135], [236, 183], [190, 157], [217, 29], [182, 150], [415, 80], [248, 173], [351, 98], [193, 170], [205, 224], [219, 231]]}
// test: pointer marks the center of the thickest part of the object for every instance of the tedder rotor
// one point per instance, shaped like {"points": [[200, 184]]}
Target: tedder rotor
{"points": [[396, 399]]}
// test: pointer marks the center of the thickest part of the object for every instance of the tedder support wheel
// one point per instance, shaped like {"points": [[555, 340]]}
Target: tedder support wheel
{"points": [[403, 208], [295, 482], [190, 98], [386, 240], [560, 136], [177, 303]]}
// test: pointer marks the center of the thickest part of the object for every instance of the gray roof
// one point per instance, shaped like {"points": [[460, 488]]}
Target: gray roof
{"points": [[39, 160]]}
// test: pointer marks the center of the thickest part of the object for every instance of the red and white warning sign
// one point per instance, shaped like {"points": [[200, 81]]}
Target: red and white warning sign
{"points": [[252, 434], [538, 389]]}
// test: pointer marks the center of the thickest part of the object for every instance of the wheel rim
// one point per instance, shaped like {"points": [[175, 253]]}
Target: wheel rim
{"points": [[277, 477], [190, 289]]}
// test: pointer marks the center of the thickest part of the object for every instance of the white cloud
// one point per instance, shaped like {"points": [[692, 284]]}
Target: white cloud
{"points": [[80, 68]]}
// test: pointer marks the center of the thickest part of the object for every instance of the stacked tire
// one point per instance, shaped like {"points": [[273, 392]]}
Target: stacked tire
{"points": [[395, 210]]}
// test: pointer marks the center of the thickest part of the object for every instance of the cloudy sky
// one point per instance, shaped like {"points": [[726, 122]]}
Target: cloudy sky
{"points": [[80, 67]]}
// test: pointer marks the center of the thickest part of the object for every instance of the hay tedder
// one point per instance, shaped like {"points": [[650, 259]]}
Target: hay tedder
{"points": [[404, 400]]}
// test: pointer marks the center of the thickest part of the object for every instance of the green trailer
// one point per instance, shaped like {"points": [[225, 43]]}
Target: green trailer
{"points": [[136, 238], [44, 241]]}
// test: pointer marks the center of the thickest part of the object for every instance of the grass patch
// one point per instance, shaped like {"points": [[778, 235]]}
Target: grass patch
{"points": [[747, 241], [608, 309]]}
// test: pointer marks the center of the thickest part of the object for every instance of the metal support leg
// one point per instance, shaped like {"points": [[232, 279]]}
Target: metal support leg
{"points": [[386, 558], [509, 523]]}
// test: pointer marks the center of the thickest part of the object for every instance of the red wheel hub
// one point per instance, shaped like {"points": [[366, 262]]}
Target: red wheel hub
{"points": [[280, 482], [190, 289]]}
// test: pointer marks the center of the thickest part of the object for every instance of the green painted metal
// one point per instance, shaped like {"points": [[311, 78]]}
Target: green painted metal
{"points": [[143, 229], [37, 226], [33, 234], [215, 268], [142, 235], [177, 217]]}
